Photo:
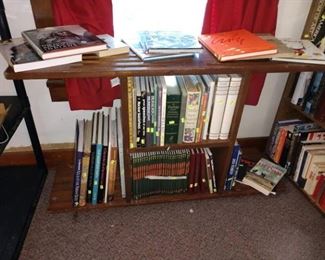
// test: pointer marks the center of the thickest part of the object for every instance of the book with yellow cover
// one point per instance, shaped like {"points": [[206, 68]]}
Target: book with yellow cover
{"points": [[236, 44]]}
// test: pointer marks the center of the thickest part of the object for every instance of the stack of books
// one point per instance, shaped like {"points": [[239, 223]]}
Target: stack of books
{"points": [[59, 45], [160, 45]]}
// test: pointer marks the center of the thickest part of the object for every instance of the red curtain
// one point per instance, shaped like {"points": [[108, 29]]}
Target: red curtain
{"points": [[258, 16], [97, 17]]}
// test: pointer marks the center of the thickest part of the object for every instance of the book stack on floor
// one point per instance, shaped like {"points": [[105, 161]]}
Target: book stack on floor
{"points": [[172, 171], [161, 45], [99, 158], [309, 94], [53, 46], [166, 110], [300, 148]]}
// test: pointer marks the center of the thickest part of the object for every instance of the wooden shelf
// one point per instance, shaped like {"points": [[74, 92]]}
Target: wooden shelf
{"points": [[61, 195], [130, 65]]}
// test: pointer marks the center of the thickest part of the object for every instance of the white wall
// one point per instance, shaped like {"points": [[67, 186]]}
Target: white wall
{"points": [[55, 122]]}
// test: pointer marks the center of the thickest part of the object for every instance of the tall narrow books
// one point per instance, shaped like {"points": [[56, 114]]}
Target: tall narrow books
{"points": [[22, 57], [236, 44], [221, 92], [59, 41], [235, 82], [79, 139], [117, 104]]}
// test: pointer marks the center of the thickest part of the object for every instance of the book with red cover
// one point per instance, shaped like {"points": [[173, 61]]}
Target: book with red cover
{"points": [[236, 44]]}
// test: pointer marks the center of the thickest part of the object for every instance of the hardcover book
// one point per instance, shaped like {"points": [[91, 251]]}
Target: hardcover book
{"points": [[264, 176], [169, 42], [236, 44], [22, 57], [59, 41]]}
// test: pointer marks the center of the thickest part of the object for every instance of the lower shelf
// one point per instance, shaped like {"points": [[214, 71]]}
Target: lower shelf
{"points": [[61, 195], [20, 188]]}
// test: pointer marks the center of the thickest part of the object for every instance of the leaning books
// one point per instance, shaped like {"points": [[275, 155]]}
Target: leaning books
{"points": [[21, 56], [264, 176], [236, 44], [59, 41]]}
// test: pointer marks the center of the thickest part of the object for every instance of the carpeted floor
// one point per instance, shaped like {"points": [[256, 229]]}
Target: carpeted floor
{"points": [[285, 226]]}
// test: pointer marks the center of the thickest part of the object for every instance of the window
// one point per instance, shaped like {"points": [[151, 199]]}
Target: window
{"points": [[177, 15]]}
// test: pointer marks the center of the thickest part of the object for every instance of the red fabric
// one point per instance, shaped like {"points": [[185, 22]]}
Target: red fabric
{"points": [[258, 16], [97, 17]]}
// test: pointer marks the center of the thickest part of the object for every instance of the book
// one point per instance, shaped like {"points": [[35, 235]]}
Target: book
{"points": [[59, 41], [22, 57], [134, 43], [85, 162], [173, 106], [192, 110], [232, 96], [304, 52], [236, 44], [114, 47], [78, 154], [314, 15], [220, 98], [161, 81], [264, 176], [118, 103], [98, 158], [301, 87], [235, 158], [181, 83], [169, 42]]}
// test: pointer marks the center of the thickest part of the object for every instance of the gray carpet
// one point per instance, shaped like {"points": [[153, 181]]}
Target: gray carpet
{"points": [[285, 226]]}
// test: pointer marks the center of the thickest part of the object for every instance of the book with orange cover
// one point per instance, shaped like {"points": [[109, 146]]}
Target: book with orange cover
{"points": [[236, 44]]}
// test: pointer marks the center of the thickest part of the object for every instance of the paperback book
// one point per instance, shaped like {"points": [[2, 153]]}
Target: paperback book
{"points": [[59, 41], [264, 176], [304, 52], [22, 57]]}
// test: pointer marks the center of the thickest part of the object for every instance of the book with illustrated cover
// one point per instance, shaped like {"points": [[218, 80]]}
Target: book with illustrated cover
{"points": [[59, 41], [264, 176], [22, 57], [114, 47], [169, 42], [304, 52], [135, 45], [236, 44]]}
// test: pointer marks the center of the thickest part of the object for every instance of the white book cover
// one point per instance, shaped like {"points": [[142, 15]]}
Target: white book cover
{"points": [[163, 109], [209, 80], [301, 87], [232, 96], [220, 98], [316, 169]]}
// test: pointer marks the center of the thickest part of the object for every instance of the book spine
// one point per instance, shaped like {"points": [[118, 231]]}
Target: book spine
{"points": [[301, 87], [173, 105], [98, 159], [314, 15], [163, 111], [221, 92], [232, 96], [84, 177], [130, 86]]}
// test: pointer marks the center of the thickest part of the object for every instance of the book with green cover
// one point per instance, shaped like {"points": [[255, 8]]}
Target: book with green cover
{"points": [[173, 105]]}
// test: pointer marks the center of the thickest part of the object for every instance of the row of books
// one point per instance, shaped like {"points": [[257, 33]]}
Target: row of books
{"points": [[300, 148], [172, 171], [59, 45], [309, 93], [98, 163], [181, 109]]}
